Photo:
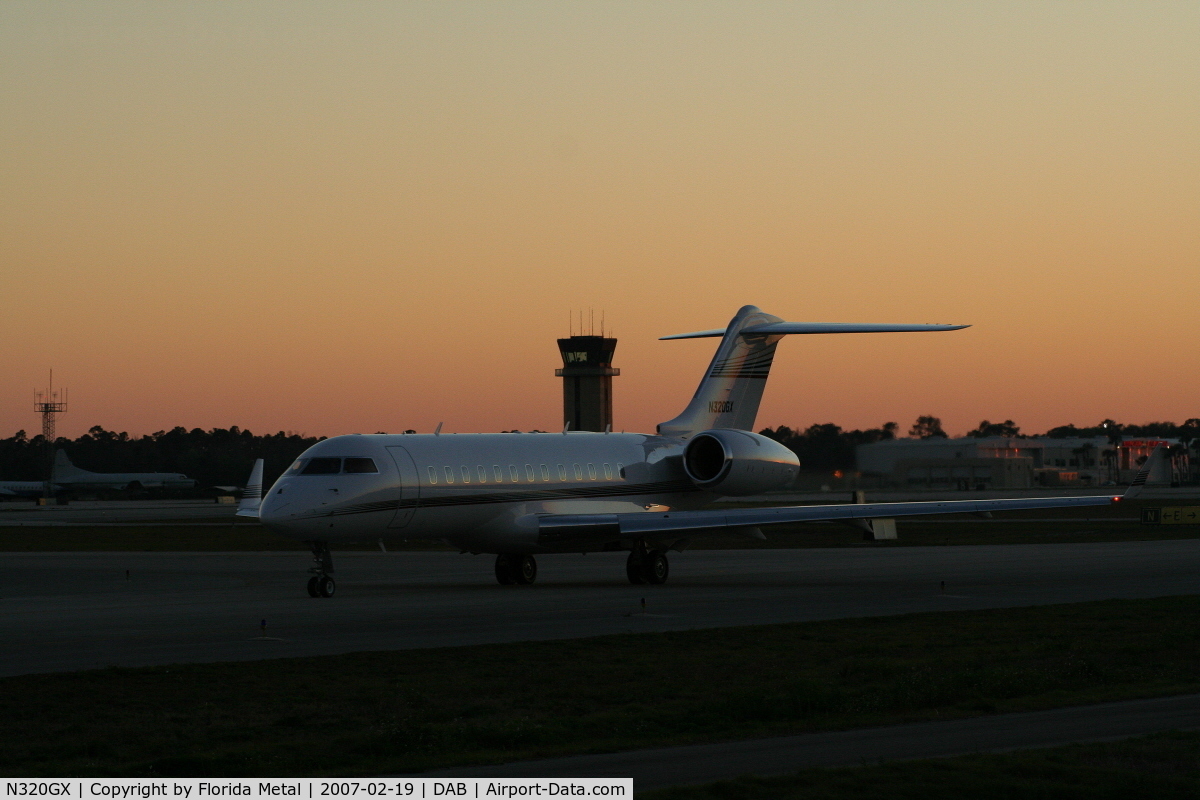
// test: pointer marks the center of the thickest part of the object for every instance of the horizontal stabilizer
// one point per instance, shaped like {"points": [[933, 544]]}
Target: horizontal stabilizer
{"points": [[780, 328]]}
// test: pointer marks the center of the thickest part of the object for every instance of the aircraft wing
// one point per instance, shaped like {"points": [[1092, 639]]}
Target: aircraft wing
{"points": [[563, 527], [555, 528]]}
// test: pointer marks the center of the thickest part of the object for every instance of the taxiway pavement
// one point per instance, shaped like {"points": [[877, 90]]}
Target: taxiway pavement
{"points": [[70, 611]]}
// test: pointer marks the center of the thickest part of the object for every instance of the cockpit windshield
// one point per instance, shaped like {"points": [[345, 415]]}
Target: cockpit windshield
{"points": [[335, 466]]}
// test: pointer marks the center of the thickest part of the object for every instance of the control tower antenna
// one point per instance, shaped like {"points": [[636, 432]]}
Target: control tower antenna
{"points": [[49, 403]]}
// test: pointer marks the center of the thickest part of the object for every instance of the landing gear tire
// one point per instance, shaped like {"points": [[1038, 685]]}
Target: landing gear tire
{"points": [[656, 568], [313, 589], [633, 568], [514, 569], [526, 570], [325, 586], [505, 573]]}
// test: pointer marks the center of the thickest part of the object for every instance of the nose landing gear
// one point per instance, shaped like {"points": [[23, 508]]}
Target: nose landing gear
{"points": [[321, 584], [512, 569]]}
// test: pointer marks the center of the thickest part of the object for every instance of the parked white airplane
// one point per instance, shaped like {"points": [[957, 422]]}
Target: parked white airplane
{"points": [[69, 476], [518, 495], [23, 488]]}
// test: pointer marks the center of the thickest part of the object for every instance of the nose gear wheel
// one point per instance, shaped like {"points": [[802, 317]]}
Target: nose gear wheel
{"points": [[321, 584]]}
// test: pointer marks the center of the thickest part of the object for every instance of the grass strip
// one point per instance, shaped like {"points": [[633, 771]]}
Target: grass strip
{"points": [[371, 713], [1159, 767]]}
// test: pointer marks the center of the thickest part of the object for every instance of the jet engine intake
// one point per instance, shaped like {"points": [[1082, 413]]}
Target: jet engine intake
{"points": [[737, 463]]}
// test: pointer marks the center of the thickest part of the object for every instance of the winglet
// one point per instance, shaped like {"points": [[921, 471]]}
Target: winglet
{"points": [[1139, 480], [252, 495]]}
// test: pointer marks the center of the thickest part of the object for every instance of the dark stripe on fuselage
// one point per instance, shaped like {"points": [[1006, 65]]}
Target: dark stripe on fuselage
{"points": [[526, 496]]}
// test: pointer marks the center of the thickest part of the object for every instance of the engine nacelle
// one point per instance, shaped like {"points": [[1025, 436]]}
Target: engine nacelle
{"points": [[735, 463]]}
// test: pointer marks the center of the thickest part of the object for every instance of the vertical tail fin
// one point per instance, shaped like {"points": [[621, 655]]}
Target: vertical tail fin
{"points": [[252, 495], [1153, 463], [732, 388], [63, 469]]}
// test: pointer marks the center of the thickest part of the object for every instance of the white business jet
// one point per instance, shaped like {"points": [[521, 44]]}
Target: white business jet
{"points": [[521, 494]]}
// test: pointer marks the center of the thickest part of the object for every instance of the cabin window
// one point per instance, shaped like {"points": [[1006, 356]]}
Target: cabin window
{"points": [[562, 472], [578, 472], [323, 466], [433, 476], [607, 472], [545, 472], [449, 474], [620, 471], [359, 466], [592, 471], [498, 471], [466, 473], [512, 473], [482, 470], [529, 472]]}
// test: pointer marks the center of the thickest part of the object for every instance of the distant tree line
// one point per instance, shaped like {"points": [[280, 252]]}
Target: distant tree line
{"points": [[224, 456], [827, 447], [217, 457]]}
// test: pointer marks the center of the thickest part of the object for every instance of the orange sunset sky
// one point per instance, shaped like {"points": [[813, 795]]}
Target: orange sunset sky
{"points": [[352, 217]]}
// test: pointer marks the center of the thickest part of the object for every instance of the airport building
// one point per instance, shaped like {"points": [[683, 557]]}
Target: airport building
{"points": [[999, 462]]}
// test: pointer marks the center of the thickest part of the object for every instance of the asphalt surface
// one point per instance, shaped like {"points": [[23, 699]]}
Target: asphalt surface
{"points": [[70, 611], [116, 512], [680, 766]]}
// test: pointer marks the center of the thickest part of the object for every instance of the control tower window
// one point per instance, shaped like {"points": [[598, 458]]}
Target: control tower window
{"points": [[359, 466], [323, 466]]}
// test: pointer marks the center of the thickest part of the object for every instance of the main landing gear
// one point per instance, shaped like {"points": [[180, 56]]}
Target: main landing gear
{"points": [[511, 568], [321, 584], [647, 567]]}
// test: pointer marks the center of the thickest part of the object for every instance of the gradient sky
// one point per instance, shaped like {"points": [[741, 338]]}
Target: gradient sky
{"points": [[351, 217]]}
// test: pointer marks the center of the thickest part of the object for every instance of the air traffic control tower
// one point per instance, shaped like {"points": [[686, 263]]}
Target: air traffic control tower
{"points": [[587, 375]]}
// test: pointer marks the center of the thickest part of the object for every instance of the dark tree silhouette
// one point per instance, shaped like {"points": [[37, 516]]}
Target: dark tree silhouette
{"points": [[927, 427], [1006, 428]]}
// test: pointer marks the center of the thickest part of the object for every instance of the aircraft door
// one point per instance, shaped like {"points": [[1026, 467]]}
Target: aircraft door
{"points": [[410, 487]]}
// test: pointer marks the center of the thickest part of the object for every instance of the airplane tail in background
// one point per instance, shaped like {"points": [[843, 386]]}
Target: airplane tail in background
{"points": [[63, 469], [1153, 464], [732, 387], [252, 495]]}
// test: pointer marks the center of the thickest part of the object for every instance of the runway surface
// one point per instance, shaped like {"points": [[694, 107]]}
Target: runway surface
{"points": [[69, 611], [681, 766]]}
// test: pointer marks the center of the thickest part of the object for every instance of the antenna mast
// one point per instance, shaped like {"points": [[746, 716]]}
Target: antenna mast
{"points": [[49, 404]]}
